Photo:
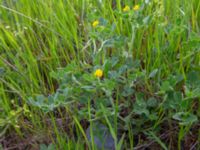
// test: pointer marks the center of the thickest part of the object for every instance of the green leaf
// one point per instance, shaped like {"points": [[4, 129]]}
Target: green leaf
{"points": [[192, 93], [127, 91], [185, 118], [113, 75], [102, 101], [88, 77], [140, 106], [152, 102], [43, 147], [153, 73], [166, 86], [51, 147], [153, 116], [173, 100], [193, 78], [146, 20]]}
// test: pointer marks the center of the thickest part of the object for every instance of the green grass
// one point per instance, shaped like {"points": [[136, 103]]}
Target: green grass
{"points": [[158, 45]]}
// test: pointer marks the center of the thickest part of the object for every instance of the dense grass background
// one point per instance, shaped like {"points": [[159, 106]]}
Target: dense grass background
{"points": [[38, 37]]}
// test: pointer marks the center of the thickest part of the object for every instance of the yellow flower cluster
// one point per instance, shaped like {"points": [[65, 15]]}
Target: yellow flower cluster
{"points": [[98, 73], [127, 8]]}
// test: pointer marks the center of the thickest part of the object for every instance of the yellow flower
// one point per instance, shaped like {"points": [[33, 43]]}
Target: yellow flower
{"points": [[95, 23], [136, 7], [98, 73], [126, 8]]}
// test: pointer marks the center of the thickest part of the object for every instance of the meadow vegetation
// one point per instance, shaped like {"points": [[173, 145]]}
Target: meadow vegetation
{"points": [[132, 66]]}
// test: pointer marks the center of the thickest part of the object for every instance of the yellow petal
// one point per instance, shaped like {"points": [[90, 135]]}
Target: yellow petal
{"points": [[98, 73], [136, 7], [126, 8], [95, 23]]}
